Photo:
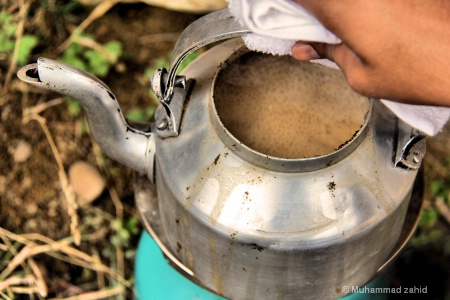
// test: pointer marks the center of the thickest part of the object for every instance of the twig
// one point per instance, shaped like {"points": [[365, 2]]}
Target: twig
{"points": [[98, 12], [8, 235], [5, 297], [51, 248], [97, 267], [115, 199], [11, 249], [24, 290], [12, 8], [443, 209], [66, 187], [82, 259], [32, 114], [30, 251], [111, 189], [19, 32], [100, 274], [120, 258], [16, 280], [39, 279], [102, 294], [37, 109], [88, 43]]}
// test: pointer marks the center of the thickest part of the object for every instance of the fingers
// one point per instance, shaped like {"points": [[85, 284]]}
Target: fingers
{"points": [[304, 51], [354, 68], [339, 53]]}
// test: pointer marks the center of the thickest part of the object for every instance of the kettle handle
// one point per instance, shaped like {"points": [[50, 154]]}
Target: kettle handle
{"points": [[213, 27], [410, 147]]}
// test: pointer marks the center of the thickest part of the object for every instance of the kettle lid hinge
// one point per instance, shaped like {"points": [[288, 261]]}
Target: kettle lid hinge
{"points": [[168, 115]]}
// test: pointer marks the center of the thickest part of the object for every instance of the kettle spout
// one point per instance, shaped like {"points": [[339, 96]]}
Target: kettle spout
{"points": [[123, 143]]}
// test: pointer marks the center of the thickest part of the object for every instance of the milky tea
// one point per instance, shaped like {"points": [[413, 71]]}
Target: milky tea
{"points": [[284, 108]]}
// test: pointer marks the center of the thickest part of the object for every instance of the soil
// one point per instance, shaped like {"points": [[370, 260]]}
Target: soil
{"points": [[32, 199]]}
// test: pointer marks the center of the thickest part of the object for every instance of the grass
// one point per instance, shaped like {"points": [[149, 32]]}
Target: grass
{"points": [[20, 274], [100, 245]]}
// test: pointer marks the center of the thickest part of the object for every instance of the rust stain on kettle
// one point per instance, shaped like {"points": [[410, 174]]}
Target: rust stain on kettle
{"points": [[216, 279], [217, 159]]}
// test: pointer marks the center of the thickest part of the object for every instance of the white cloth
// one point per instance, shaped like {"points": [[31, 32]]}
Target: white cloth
{"points": [[277, 24]]}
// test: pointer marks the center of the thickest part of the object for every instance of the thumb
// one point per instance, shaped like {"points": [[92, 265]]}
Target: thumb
{"points": [[343, 56], [354, 68]]}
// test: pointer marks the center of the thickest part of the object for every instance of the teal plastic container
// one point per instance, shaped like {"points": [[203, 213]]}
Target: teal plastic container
{"points": [[157, 280]]}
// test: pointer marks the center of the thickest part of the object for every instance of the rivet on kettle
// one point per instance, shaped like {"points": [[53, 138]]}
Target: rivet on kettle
{"points": [[162, 124]]}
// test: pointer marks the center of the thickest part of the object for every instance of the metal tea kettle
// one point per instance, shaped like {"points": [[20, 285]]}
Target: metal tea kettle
{"points": [[240, 222]]}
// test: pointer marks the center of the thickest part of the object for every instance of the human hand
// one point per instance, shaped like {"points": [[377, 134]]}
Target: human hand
{"points": [[392, 49]]}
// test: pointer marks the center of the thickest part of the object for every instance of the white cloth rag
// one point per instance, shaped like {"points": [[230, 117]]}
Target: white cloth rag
{"points": [[277, 24]]}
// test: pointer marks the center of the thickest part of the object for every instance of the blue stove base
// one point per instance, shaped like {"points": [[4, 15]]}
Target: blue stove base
{"points": [[157, 280]]}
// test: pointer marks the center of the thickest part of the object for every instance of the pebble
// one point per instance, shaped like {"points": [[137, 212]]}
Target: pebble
{"points": [[30, 225], [22, 152], [86, 181], [31, 208], [52, 209], [2, 184]]}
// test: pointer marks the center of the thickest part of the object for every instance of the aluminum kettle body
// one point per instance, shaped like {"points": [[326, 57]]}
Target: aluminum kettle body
{"points": [[245, 229], [239, 222]]}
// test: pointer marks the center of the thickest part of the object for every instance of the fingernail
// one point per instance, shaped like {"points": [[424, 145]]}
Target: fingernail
{"points": [[302, 51]]}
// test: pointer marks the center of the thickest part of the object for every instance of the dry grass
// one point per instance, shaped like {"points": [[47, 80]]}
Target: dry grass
{"points": [[19, 273], [50, 248], [22, 256]]}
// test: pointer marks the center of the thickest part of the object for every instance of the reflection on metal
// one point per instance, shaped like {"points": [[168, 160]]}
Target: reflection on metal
{"points": [[147, 202], [411, 220], [410, 148]]}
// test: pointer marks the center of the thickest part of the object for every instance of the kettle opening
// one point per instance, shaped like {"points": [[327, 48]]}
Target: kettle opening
{"points": [[278, 107]]}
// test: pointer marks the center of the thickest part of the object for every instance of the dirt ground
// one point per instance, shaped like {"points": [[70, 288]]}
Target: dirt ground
{"points": [[32, 197], [36, 212]]}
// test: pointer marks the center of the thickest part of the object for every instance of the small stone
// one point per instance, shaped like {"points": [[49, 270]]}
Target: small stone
{"points": [[26, 182], [52, 213], [30, 225], [2, 184], [86, 181], [52, 208], [31, 208], [22, 152], [5, 113]]}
